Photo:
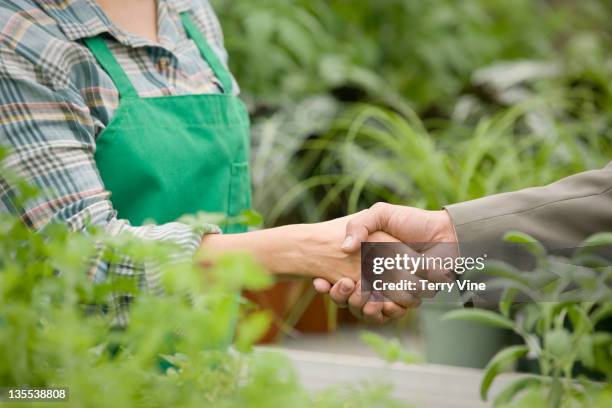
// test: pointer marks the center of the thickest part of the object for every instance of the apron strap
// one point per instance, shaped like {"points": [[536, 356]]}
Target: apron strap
{"points": [[105, 58], [208, 54]]}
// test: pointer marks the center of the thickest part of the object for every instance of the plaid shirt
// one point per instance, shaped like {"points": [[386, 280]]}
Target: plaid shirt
{"points": [[55, 100]]}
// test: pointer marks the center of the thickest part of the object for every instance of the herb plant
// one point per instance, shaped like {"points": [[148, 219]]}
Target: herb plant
{"points": [[60, 329], [559, 322]]}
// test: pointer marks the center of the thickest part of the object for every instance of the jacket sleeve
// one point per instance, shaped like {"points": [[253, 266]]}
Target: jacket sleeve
{"points": [[560, 215]]}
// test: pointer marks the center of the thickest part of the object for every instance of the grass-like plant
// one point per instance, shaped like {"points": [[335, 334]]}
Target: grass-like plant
{"points": [[509, 95], [377, 154]]}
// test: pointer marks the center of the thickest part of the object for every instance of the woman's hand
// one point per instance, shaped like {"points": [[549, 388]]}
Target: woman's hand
{"points": [[320, 256], [313, 251], [347, 292]]}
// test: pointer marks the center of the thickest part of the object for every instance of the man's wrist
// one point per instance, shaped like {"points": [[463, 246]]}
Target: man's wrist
{"points": [[445, 229]]}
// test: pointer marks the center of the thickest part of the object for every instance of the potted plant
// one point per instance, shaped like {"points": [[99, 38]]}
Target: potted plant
{"points": [[560, 324]]}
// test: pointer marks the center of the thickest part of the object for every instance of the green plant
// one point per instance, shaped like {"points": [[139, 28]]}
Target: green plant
{"points": [[558, 322], [375, 154], [389, 350], [431, 58], [424, 52], [58, 328]]}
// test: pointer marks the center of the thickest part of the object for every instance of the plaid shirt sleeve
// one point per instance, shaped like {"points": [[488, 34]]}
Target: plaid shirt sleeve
{"points": [[50, 133]]}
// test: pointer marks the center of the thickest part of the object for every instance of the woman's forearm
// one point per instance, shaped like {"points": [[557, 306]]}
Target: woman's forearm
{"points": [[306, 250], [281, 250]]}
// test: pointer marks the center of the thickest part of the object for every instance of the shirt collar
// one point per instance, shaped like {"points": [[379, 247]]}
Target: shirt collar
{"points": [[182, 5], [80, 19]]}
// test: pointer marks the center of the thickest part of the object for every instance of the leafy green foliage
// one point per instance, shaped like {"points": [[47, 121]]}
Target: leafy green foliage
{"points": [[389, 350], [526, 242], [509, 95], [375, 154], [486, 317], [503, 360], [423, 51], [58, 328], [505, 396], [567, 299]]}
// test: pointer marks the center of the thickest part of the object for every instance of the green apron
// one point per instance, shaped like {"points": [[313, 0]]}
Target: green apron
{"points": [[164, 157]]}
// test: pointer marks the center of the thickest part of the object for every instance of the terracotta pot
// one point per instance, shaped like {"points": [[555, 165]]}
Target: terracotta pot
{"points": [[294, 306]]}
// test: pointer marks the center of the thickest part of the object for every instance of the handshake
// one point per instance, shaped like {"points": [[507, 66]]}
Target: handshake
{"points": [[329, 252], [387, 223]]}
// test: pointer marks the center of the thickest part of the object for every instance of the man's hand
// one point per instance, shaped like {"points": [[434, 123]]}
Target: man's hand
{"points": [[407, 224], [424, 229]]}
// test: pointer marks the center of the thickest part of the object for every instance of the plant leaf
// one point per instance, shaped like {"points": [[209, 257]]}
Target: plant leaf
{"points": [[530, 243], [585, 351], [506, 300], [596, 240], [480, 316], [252, 329], [388, 349], [604, 311], [499, 363], [507, 394], [580, 320], [504, 270], [558, 342]]}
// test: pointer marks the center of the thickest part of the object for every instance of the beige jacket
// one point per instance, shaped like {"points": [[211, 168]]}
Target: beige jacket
{"points": [[559, 215]]}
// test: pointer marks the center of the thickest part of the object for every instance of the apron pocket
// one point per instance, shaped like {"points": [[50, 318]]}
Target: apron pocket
{"points": [[240, 189]]}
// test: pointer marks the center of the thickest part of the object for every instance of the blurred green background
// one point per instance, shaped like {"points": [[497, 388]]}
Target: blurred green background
{"points": [[417, 102]]}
